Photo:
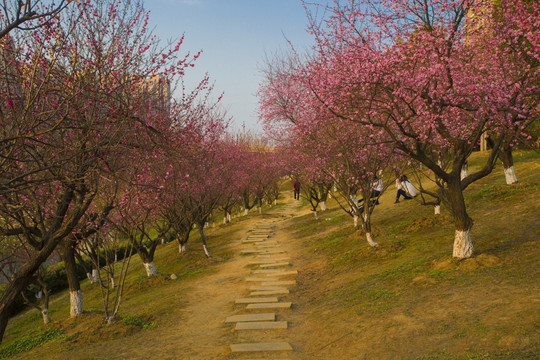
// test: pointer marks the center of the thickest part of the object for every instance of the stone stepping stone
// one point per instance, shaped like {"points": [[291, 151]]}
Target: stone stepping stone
{"points": [[252, 347], [256, 300], [250, 241], [270, 251], [260, 246], [266, 288], [274, 258], [260, 325], [251, 317], [276, 272], [258, 279], [269, 292], [279, 283], [261, 251], [274, 265], [263, 262], [276, 305]]}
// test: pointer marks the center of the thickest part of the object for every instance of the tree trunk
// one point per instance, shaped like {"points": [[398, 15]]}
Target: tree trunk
{"points": [[75, 303], [463, 246], [510, 175], [315, 213], [354, 199], [246, 212], [45, 315], [464, 171], [437, 209], [203, 239], [67, 253], [505, 154], [150, 268], [323, 206], [355, 221], [95, 275], [369, 238], [181, 248]]}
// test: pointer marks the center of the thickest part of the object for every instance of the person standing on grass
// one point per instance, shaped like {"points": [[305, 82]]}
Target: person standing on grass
{"points": [[296, 188]]}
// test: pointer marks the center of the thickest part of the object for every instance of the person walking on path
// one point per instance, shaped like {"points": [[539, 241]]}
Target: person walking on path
{"points": [[296, 188], [405, 188]]}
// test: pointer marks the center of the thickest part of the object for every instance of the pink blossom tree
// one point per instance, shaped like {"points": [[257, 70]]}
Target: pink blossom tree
{"points": [[27, 15], [58, 141], [416, 71]]}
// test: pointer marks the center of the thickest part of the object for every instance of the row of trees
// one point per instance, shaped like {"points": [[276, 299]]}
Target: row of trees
{"points": [[96, 152], [397, 84]]}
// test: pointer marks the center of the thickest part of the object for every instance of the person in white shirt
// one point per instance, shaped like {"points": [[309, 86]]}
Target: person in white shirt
{"points": [[405, 188]]}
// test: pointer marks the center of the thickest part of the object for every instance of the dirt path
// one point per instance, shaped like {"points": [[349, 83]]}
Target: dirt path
{"points": [[201, 332]]}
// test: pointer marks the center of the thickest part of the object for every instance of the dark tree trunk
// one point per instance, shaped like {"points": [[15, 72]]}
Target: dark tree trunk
{"points": [[505, 154], [203, 237], [21, 279], [67, 253], [453, 197]]}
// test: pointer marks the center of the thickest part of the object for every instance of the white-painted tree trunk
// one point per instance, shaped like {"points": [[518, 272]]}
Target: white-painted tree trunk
{"points": [[355, 221], [75, 303], [95, 276], [316, 215], [510, 175], [45, 315], [275, 201], [182, 248], [437, 209], [246, 212], [463, 246], [206, 225], [323, 206], [113, 284], [229, 217], [464, 171], [260, 209], [39, 294], [225, 220], [329, 195], [150, 269], [369, 238], [89, 276], [354, 199], [206, 251]]}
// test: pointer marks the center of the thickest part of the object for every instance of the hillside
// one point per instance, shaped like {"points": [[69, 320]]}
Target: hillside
{"points": [[407, 299]]}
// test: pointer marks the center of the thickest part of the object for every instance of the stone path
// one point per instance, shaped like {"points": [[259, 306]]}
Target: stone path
{"points": [[263, 331]]}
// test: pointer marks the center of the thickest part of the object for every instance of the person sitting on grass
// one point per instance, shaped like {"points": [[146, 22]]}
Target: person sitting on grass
{"points": [[405, 188]]}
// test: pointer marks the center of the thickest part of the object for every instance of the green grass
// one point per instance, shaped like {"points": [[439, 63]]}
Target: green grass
{"points": [[398, 294], [137, 321], [371, 287], [29, 342]]}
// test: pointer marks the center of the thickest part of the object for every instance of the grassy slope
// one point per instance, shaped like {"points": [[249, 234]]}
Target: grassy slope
{"points": [[405, 300], [409, 299]]}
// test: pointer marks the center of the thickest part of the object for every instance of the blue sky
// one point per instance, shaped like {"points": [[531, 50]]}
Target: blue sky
{"points": [[234, 35]]}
